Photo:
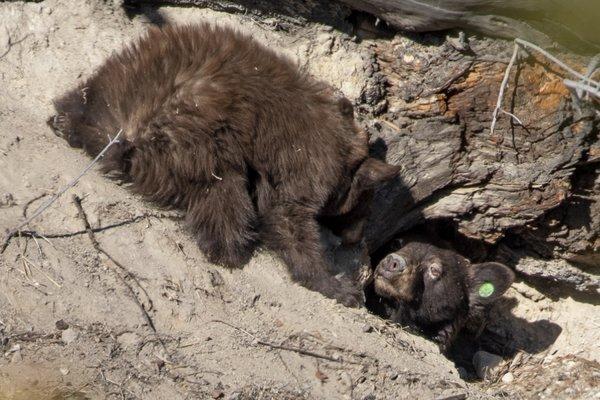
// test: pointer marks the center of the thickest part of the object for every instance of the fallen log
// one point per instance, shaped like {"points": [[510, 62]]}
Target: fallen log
{"points": [[573, 24]]}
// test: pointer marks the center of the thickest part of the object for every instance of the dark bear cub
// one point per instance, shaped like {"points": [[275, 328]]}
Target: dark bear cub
{"points": [[249, 145], [439, 291]]}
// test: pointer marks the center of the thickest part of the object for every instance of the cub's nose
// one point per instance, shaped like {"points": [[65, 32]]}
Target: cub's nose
{"points": [[391, 265]]}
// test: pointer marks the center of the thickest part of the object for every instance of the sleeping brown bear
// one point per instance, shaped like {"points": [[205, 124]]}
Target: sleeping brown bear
{"points": [[438, 290], [249, 145]]}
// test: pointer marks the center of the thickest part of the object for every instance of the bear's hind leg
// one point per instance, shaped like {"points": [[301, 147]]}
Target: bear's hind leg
{"points": [[223, 219]]}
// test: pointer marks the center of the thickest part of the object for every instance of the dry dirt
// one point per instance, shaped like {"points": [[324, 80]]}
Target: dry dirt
{"points": [[71, 320]]}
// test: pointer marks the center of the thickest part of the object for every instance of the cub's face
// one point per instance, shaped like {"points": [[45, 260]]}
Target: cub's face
{"points": [[430, 286], [419, 275]]}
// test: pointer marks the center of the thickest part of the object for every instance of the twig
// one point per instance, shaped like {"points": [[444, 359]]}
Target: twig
{"points": [[286, 348], [31, 201], [46, 236], [564, 66], [11, 44], [512, 115], [580, 86], [127, 276], [29, 262], [503, 87], [592, 67], [48, 203]]}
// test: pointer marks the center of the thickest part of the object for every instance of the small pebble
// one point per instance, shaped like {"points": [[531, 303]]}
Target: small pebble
{"points": [[346, 379], [508, 377], [64, 371], [16, 347], [485, 364], [61, 325], [16, 356], [68, 336], [367, 328]]}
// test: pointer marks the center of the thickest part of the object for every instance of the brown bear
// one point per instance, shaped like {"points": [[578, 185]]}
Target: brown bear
{"points": [[252, 148], [438, 290]]}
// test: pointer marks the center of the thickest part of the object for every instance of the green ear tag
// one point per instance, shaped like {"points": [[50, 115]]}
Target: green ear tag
{"points": [[486, 289]]}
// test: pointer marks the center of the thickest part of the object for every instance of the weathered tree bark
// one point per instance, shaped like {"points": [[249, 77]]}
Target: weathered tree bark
{"points": [[528, 194]]}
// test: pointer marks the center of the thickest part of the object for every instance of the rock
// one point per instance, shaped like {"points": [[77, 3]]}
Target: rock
{"points": [[325, 43], [69, 336], [508, 377], [367, 328], [16, 356], [7, 199], [15, 348], [346, 379], [129, 340], [486, 363], [61, 325], [64, 371], [459, 396]]}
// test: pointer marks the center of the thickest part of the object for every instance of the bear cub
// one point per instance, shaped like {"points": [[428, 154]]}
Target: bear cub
{"points": [[252, 148], [438, 291]]}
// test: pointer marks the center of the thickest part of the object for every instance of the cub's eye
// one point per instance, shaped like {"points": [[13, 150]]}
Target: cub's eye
{"points": [[434, 270]]}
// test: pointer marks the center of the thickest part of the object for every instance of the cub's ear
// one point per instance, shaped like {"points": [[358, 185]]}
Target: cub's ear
{"points": [[488, 282], [373, 172]]}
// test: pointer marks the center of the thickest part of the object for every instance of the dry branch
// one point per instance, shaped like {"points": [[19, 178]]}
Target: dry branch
{"points": [[286, 348], [503, 87], [124, 275], [50, 201]]}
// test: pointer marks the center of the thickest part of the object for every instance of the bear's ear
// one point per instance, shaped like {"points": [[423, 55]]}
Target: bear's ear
{"points": [[488, 281], [373, 172]]}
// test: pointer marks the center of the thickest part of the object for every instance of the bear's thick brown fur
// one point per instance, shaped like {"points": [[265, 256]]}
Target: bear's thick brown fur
{"points": [[250, 146]]}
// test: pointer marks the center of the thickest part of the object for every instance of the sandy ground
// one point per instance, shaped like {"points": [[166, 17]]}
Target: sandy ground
{"points": [[71, 319]]}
